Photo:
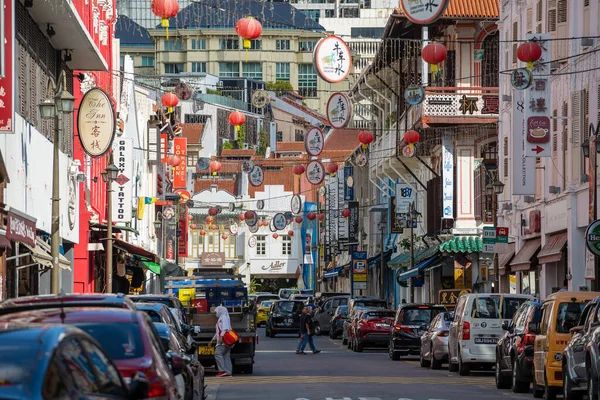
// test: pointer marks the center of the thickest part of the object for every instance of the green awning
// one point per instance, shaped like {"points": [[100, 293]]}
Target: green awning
{"points": [[462, 244], [154, 267], [403, 260], [115, 228]]}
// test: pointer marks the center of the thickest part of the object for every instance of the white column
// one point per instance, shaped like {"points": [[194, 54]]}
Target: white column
{"points": [[465, 210]]}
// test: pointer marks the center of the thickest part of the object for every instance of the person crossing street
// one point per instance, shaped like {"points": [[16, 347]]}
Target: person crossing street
{"points": [[306, 332]]}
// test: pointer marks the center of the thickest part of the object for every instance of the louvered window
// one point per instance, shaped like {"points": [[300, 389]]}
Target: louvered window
{"points": [[505, 153], [515, 38], [551, 15], [586, 3], [539, 11], [585, 111], [529, 20], [565, 142], [554, 133], [561, 15], [576, 152], [538, 29]]}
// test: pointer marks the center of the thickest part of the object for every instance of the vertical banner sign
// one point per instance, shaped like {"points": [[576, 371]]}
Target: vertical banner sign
{"points": [[180, 171], [394, 221], [349, 183], [353, 223], [122, 187], [447, 177], [405, 196], [7, 81], [333, 210], [538, 103], [182, 244], [359, 270], [164, 147], [342, 222], [523, 167], [328, 231]]}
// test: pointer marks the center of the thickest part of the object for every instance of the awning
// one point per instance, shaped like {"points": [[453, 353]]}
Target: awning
{"points": [[372, 262], [462, 244], [115, 228], [152, 266], [414, 271], [41, 254], [522, 260], [4, 241], [553, 249], [334, 273], [403, 260], [133, 249], [505, 257]]}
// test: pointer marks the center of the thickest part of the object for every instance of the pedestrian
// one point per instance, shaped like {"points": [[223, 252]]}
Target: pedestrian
{"points": [[310, 332], [222, 351], [303, 330]]}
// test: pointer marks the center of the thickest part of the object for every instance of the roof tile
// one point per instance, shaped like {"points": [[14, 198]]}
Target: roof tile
{"points": [[193, 132], [471, 9]]}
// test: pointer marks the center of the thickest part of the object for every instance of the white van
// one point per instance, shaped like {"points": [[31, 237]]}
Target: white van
{"points": [[477, 327]]}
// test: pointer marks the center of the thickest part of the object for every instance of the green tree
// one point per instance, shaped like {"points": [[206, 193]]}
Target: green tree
{"points": [[263, 142], [241, 136], [227, 145], [279, 87]]}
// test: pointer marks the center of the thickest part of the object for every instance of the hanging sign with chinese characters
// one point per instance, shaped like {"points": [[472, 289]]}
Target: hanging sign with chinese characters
{"points": [[314, 142], [122, 187], [537, 101], [279, 221], [180, 171], [296, 204], [339, 110], [423, 12], [96, 122], [315, 172], [408, 151], [447, 177], [7, 82], [414, 94], [247, 166], [523, 167], [256, 176], [521, 78], [332, 59]]}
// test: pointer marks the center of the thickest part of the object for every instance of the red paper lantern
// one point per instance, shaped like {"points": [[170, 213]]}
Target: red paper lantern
{"points": [[215, 167], [241, 217], [311, 216], [224, 236], [190, 217], [213, 211], [332, 168], [412, 137], [170, 100], [345, 213], [298, 220], [433, 54], [298, 169], [365, 138], [165, 9], [275, 236], [202, 232], [193, 226], [237, 119], [209, 220], [321, 217], [248, 28], [290, 233], [249, 214], [529, 52], [214, 227], [173, 161]]}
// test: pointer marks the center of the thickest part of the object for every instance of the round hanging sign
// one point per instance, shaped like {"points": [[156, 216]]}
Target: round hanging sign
{"points": [[96, 122], [314, 142], [332, 59], [260, 204], [296, 204], [289, 217], [361, 160], [315, 172], [247, 166], [279, 221], [408, 151], [272, 227], [521, 78], [423, 12], [414, 94], [184, 195], [252, 242], [339, 110], [253, 228], [203, 164], [592, 237], [231, 207], [233, 228], [183, 91], [252, 220], [257, 176]]}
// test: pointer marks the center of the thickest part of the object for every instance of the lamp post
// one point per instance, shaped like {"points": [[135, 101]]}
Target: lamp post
{"points": [[382, 228], [412, 218], [493, 190], [585, 147], [108, 176], [60, 101]]}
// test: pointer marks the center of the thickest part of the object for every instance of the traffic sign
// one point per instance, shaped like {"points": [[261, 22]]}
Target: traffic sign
{"points": [[501, 234], [489, 234], [488, 248]]}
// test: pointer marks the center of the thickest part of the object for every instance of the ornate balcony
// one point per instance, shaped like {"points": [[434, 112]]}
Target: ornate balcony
{"points": [[450, 104]]}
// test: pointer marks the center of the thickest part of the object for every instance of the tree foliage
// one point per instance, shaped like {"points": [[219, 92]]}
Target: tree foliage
{"points": [[263, 142]]}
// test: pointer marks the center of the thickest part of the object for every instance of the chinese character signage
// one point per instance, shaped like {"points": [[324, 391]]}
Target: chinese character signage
{"points": [[523, 170], [332, 59], [353, 233], [96, 122], [182, 243], [315, 172], [447, 177], [180, 171], [537, 103], [423, 12], [7, 84], [122, 187], [314, 142], [339, 110]]}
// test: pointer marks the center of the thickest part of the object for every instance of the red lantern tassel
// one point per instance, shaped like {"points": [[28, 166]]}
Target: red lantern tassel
{"points": [[434, 68]]}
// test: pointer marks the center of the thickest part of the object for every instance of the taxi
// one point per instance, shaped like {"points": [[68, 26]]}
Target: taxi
{"points": [[262, 312]]}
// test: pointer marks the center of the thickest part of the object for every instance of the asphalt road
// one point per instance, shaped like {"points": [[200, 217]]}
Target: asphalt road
{"points": [[340, 374]]}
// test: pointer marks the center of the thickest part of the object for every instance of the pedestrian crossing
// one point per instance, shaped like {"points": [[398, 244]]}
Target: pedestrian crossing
{"points": [[307, 380]]}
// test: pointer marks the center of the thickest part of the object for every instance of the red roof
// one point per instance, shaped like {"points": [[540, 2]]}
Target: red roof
{"points": [[290, 146], [479, 9], [343, 139], [193, 132]]}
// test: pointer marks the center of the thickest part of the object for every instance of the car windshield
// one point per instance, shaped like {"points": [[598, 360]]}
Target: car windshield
{"points": [[487, 307], [568, 316], [371, 304], [120, 340], [17, 362], [420, 316], [289, 306], [379, 314], [266, 304], [166, 302]]}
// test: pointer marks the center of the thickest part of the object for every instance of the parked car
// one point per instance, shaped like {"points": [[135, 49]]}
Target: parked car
{"points": [[410, 323], [434, 342], [66, 300], [373, 329], [337, 321], [351, 326], [268, 296], [367, 302], [284, 294], [300, 297], [576, 370], [60, 362], [514, 351], [347, 324], [191, 379], [322, 297], [262, 313], [324, 313], [126, 337], [284, 317], [158, 312], [561, 311], [477, 327], [168, 300]]}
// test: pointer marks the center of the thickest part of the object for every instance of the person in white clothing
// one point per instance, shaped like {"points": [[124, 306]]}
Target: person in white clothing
{"points": [[222, 351]]}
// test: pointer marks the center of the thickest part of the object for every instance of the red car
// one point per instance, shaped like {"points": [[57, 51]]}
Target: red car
{"points": [[372, 329], [128, 337]]}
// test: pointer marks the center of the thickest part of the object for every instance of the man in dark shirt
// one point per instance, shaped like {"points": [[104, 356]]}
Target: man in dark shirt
{"points": [[303, 330], [306, 332]]}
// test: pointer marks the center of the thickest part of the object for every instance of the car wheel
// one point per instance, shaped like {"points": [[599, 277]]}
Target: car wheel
{"points": [[463, 369], [518, 385], [502, 381], [394, 355], [248, 369], [568, 393], [422, 361], [317, 329], [592, 385], [550, 392], [435, 363], [358, 346]]}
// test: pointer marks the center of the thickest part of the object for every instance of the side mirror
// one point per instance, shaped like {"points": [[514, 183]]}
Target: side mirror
{"points": [[533, 327], [506, 325], [185, 329], [576, 329], [139, 387], [177, 363]]}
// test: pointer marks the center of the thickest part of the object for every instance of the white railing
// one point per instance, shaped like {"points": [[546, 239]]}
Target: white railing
{"points": [[461, 102]]}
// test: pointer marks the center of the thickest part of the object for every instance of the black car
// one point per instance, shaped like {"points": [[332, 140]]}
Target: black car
{"points": [[168, 300], [337, 321], [514, 351], [410, 323], [104, 300], [284, 317], [59, 362]]}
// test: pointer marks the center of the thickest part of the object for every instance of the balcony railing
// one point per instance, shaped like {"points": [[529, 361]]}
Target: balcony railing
{"points": [[224, 101], [461, 102]]}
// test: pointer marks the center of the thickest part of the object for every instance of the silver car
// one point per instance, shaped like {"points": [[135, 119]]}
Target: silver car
{"points": [[434, 342]]}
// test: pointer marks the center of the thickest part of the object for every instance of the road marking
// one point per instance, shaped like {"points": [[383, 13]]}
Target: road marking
{"points": [[311, 380]]}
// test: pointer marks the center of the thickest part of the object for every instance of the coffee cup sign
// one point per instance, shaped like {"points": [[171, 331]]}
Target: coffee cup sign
{"points": [[537, 129]]}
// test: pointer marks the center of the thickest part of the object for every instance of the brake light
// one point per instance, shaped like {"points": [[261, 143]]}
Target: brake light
{"points": [[443, 333], [403, 328], [338, 317], [157, 388], [466, 331], [529, 338]]}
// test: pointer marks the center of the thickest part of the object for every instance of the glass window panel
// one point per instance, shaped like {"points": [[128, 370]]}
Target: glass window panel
{"points": [[229, 69], [198, 67], [282, 71], [252, 70], [307, 80]]}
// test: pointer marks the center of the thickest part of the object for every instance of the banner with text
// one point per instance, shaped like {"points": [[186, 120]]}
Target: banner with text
{"points": [[180, 171], [122, 187], [538, 101], [523, 170]]}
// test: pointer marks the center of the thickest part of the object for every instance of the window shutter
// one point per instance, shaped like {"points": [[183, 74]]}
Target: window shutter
{"points": [[561, 15], [515, 38], [529, 20], [551, 15], [539, 11], [564, 143], [576, 153], [585, 117], [153, 143], [598, 103]]}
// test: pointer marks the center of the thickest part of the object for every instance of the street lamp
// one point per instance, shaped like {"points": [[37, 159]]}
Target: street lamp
{"points": [[585, 147], [412, 218], [493, 190], [108, 176], [51, 108]]}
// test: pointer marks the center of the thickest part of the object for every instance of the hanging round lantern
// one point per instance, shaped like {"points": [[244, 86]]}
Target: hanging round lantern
{"points": [[241, 217], [169, 100], [214, 227], [275, 236], [290, 233], [412, 137], [173, 161], [209, 220], [365, 138], [321, 216], [237, 119], [433, 54], [529, 52], [311, 216], [224, 236], [215, 167], [249, 214], [298, 220], [298, 169], [332, 168], [346, 213], [193, 226], [213, 211], [248, 28], [202, 232], [165, 9], [190, 217]]}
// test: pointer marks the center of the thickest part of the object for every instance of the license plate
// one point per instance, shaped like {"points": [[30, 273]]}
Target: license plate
{"points": [[382, 325], [486, 340], [289, 321], [206, 350], [243, 361]]}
